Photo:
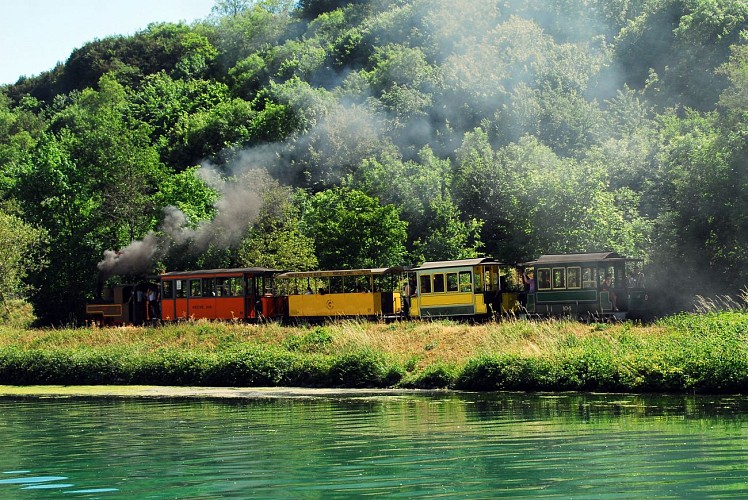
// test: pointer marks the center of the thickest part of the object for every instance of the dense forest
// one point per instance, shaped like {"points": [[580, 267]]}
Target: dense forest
{"points": [[344, 134]]}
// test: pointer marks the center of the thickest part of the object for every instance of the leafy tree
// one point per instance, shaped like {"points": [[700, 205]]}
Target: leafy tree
{"points": [[190, 194], [230, 7], [310, 9], [251, 30], [436, 229], [54, 192], [19, 131], [21, 252], [169, 106], [248, 76], [89, 183], [447, 236], [734, 99], [703, 190], [336, 146], [674, 46], [204, 135], [353, 230], [275, 240]]}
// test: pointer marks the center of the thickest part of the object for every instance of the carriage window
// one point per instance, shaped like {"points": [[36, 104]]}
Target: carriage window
{"points": [[544, 279], [438, 283], [209, 287], [222, 287], [167, 289], [265, 284], [559, 277], [363, 284], [573, 277], [492, 279], [384, 283], [180, 288], [237, 287], [195, 288], [425, 283], [452, 282], [336, 284], [466, 284], [589, 277], [614, 276], [349, 284]]}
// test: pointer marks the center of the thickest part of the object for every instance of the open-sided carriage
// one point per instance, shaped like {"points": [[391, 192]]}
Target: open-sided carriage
{"points": [[345, 293]]}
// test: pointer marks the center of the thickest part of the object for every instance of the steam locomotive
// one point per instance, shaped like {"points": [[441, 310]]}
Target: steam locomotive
{"points": [[591, 285]]}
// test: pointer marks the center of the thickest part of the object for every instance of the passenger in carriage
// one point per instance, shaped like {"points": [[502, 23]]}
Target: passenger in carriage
{"points": [[630, 279], [608, 287]]}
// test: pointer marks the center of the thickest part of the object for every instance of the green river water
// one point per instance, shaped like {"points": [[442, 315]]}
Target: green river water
{"points": [[359, 444]]}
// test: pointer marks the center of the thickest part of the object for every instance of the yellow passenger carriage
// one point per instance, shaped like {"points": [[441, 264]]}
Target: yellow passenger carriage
{"points": [[458, 288], [346, 293]]}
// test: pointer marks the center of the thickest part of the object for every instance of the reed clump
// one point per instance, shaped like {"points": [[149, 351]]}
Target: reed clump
{"points": [[705, 353]]}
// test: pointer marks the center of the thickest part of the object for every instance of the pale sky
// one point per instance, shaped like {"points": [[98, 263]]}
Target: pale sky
{"points": [[37, 34]]}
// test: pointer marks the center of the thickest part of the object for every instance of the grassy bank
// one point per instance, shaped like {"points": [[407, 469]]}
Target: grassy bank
{"points": [[705, 353]]}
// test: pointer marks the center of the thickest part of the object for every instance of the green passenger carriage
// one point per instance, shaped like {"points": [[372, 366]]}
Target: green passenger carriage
{"points": [[585, 286]]}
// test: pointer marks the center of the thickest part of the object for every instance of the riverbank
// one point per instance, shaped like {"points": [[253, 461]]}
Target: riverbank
{"points": [[706, 353], [190, 392]]}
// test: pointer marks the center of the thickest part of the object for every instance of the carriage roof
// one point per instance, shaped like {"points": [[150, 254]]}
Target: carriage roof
{"points": [[378, 271], [457, 263], [219, 272], [581, 258]]}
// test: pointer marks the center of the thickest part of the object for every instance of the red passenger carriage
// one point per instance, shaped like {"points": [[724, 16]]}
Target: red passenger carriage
{"points": [[240, 294]]}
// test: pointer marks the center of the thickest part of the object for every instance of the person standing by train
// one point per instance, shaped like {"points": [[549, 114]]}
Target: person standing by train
{"points": [[152, 298], [409, 290], [529, 281]]}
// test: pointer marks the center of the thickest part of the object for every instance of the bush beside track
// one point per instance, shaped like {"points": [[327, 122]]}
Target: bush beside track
{"points": [[705, 353]]}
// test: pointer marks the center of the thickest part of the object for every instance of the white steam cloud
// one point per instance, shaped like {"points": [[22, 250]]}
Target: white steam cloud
{"points": [[236, 209]]}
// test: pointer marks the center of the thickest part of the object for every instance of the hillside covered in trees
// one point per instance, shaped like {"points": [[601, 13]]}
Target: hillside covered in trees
{"points": [[344, 134]]}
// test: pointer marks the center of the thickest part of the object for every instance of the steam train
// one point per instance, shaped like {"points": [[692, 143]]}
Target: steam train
{"points": [[592, 285]]}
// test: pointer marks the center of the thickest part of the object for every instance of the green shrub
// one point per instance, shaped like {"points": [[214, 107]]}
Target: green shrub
{"points": [[505, 372], [362, 369], [314, 341], [17, 314], [437, 376]]}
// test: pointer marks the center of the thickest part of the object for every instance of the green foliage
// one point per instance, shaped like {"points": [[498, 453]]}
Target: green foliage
{"points": [[734, 99], [362, 369], [276, 240], [352, 230], [313, 8], [21, 252], [190, 194], [437, 376], [17, 313], [436, 228], [505, 128], [318, 340]]}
